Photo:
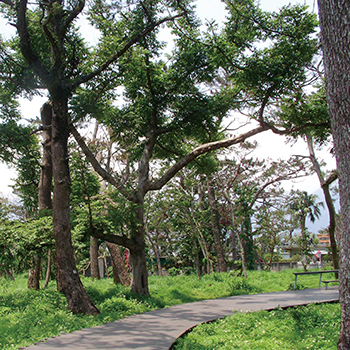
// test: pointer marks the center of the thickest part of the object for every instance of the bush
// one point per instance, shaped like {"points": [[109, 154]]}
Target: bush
{"points": [[173, 271]]}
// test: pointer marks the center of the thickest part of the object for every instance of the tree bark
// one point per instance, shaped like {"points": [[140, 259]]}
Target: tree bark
{"points": [[68, 281], [45, 182], [34, 273], [95, 272], [215, 224], [329, 202], [48, 269], [155, 249], [120, 274], [139, 282], [335, 34]]}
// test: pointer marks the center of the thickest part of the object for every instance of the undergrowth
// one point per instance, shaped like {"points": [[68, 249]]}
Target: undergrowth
{"points": [[27, 316], [307, 327]]}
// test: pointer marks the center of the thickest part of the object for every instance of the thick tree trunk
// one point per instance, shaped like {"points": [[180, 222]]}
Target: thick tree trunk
{"points": [[335, 34], [120, 274], [34, 274], [95, 272], [215, 224], [68, 281], [139, 282]]}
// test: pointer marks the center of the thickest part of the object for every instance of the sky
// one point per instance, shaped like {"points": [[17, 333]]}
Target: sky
{"points": [[271, 145]]}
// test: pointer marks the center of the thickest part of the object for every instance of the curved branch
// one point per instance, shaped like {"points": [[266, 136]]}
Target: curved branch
{"points": [[331, 178], [208, 147], [119, 240], [97, 166]]}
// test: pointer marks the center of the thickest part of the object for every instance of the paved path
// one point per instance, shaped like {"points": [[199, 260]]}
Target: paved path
{"points": [[157, 330]]}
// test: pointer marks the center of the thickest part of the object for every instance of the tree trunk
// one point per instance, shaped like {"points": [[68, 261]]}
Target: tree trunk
{"points": [[155, 249], [48, 269], [335, 34], [44, 188], [95, 272], [120, 274], [240, 242], [215, 224], [34, 274], [68, 281], [45, 183], [234, 244], [329, 201], [196, 254], [139, 282], [9, 275]]}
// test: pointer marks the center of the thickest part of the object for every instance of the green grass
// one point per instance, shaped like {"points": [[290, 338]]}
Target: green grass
{"points": [[307, 327], [28, 316]]}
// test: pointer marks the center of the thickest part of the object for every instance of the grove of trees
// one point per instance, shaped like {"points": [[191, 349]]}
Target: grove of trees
{"points": [[137, 147]]}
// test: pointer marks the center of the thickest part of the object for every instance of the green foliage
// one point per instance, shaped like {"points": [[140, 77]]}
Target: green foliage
{"points": [[20, 242], [28, 316], [305, 327], [240, 285]]}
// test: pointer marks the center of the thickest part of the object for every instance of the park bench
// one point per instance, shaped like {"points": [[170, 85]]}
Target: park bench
{"points": [[296, 274], [329, 281]]}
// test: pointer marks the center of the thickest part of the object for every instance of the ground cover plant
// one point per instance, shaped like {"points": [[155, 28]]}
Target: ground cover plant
{"points": [[308, 327], [27, 316]]}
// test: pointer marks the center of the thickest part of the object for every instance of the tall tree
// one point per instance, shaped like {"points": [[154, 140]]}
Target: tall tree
{"points": [[51, 49], [325, 185], [215, 223], [303, 206], [171, 113], [335, 34]]}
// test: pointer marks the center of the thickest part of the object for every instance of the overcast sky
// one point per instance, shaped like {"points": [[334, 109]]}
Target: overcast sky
{"points": [[270, 144]]}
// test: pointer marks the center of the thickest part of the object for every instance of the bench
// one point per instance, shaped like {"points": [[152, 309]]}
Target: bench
{"points": [[330, 281], [296, 274]]}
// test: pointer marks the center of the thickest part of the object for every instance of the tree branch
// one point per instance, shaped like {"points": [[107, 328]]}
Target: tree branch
{"points": [[331, 178], [119, 240], [8, 2], [116, 56], [97, 166], [26, 46], [208, 147]]}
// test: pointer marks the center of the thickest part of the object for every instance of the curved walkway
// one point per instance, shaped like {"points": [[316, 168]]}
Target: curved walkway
{"points": [[157, 330]]}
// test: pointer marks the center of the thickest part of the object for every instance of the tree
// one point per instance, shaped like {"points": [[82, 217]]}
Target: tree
{"points": [[216, 229], [294, 111], [49, 47], [175, 121], [325, 185], [335, 31], [303, 206], [247, 185]]}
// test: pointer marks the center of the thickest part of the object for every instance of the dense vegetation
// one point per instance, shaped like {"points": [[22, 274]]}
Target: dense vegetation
{"points": [[28, 316]]}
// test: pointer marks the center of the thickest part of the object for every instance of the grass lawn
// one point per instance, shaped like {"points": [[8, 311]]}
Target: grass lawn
{"points": [[308, 327], [27, 316]]}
